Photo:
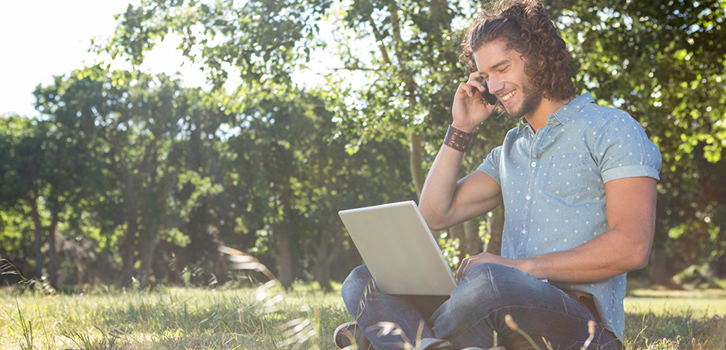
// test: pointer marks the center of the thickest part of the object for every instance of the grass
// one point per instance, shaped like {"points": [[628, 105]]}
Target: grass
{"points": [[668, 319], [304, 318]]}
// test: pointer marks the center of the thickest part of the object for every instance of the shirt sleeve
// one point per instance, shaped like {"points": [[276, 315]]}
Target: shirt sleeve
{"points": [[623, 150], [490, 164]]}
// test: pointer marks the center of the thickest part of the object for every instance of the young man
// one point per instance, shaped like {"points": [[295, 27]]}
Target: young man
{"points": [[578, 184]]}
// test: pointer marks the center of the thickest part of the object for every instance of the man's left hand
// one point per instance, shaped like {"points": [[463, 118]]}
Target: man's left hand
{"points": [[485, 257]]}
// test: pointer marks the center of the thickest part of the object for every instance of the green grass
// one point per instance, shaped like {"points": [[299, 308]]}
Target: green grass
{"points": [[167, 318], [668, 319], [188, 318]]}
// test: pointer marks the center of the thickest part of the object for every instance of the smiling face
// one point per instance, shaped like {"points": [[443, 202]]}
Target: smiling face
{"points": [[503, 69]]}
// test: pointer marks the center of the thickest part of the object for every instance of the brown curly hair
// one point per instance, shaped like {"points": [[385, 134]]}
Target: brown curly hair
{"points": [[525, 27]]}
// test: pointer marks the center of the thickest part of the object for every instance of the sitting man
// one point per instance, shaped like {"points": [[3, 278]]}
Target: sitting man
{"points": [[578, 184]]}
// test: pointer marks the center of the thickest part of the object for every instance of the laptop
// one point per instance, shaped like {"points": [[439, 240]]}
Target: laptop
{"points": [[399, 249]]}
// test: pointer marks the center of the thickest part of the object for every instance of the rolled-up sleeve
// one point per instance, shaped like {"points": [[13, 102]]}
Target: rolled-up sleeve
{"points": [[624, 150]]}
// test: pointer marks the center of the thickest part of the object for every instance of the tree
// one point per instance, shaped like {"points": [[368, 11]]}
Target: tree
{"points": [[411, 69], [47, 170], [158, 168], [125, 127], [303, 175], [662, 62], [20, 163]]}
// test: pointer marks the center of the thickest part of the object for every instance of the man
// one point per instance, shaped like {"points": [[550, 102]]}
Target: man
{"points": [[578, 184]]}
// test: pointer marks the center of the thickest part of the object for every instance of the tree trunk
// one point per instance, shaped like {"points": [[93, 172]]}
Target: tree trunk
{"points": [[53, 254], [127, 263], [496, 227], [471, 237], [468, 234], [38, 229], [147, 258], [128, 251], [322, 262], [417, 162], [129, 215], [661, 273], [284, 259]]}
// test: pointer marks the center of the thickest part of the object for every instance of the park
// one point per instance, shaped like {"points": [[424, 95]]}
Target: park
{"points": [[122, 198]]}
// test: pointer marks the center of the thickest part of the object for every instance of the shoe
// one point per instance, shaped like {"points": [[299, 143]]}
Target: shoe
{"points": [[442, 344], [348, 334], [437, 344]]}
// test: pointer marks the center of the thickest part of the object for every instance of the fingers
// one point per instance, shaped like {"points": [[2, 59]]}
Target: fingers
{"points": [[469, 108], [459, 271], [471, 261], [476, 80], [473, 86], [468, 89], [464, 268]]}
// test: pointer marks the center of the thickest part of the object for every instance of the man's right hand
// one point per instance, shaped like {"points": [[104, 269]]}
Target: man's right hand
{"points": [[469, 110]]}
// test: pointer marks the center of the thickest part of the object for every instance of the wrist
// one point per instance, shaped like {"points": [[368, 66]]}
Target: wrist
{"points": [[529, 266], [458, 139], [465, 128]]}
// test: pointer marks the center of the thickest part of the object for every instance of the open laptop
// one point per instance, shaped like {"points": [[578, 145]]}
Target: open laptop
{"points": [[399, 249]]}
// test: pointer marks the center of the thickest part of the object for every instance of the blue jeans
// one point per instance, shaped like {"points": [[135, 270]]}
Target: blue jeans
{"points": [[475, 310]]}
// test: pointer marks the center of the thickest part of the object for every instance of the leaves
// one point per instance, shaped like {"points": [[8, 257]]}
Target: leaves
{"points": [[150, 166], [662, 62]]}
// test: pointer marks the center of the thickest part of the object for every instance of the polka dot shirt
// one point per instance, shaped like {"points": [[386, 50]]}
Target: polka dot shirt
{"points": [[553, 186]]}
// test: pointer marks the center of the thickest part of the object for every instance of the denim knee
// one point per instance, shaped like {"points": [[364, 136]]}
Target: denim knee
{"points": [[501, 286], [354, 285], [477, 287]]}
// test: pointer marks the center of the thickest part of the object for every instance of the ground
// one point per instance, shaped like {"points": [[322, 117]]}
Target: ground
{"points": [[268, 318]]}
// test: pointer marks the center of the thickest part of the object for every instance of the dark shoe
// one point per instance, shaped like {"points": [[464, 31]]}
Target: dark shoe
{"points": [[437, 344], [442, 344], [348, 334]]}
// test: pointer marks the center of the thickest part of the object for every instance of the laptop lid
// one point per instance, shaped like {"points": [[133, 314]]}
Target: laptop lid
{"points": [[399, 249]]}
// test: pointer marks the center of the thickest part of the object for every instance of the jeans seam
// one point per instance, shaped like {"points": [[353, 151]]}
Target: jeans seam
{"points": [[494, 286]]}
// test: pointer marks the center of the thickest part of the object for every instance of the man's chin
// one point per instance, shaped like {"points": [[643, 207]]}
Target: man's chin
{"points": [[511, 114]]}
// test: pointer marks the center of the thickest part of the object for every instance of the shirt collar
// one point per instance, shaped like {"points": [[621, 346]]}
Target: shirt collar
{"points": [[564, 113]]}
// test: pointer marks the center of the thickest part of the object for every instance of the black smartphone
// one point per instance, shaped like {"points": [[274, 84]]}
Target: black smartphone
{"points": [[488, 97]]}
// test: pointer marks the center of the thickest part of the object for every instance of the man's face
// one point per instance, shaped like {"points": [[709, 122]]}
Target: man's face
{"points": [[503, 70]]}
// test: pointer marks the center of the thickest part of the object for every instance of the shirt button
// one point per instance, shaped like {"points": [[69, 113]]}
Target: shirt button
{"points": [[524, 231], [528, 197], [534, 164]]}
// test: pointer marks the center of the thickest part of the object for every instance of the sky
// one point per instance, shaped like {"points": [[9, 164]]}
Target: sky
{"points": [[43, 38]]}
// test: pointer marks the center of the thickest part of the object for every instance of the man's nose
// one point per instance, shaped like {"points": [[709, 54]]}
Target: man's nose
{"points": [[495, 85]]}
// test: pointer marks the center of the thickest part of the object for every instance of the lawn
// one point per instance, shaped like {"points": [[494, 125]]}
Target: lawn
{"points": [[246, 318]]}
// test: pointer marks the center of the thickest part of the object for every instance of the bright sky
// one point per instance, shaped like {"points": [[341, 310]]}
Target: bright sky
{"points": [[43, 38]]}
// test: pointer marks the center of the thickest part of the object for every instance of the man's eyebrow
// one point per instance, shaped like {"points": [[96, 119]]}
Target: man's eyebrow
{"points": [[496, 66], [501, 63]]}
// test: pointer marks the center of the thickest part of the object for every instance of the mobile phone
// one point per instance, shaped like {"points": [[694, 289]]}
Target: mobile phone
{"points": [[488, 97]]}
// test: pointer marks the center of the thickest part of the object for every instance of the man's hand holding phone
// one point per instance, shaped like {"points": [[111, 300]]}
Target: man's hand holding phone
{"points": [[472, 103]]}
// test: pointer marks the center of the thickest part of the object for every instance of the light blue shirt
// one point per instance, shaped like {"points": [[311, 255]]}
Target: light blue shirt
{"points": [[553, 186]]}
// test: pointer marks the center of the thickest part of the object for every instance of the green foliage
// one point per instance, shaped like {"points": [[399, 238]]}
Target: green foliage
{"points": [[264, 39], [171, 173], [664, 63], [402, 97]]}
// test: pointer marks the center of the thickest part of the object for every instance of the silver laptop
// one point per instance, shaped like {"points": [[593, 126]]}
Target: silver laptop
{"points": [[399, 249]]}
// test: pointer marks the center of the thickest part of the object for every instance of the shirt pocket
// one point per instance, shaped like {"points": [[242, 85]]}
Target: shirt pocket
{"points": [[566, 174]]}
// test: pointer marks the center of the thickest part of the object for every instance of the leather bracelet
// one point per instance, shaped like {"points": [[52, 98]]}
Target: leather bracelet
{"points": [[458, 139]]}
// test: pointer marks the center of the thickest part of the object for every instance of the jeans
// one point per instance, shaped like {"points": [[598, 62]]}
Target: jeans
{"points": [[474, 311]]}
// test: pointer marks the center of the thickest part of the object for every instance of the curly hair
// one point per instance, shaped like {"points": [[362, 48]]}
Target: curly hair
{"points": [[525, 27]]}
